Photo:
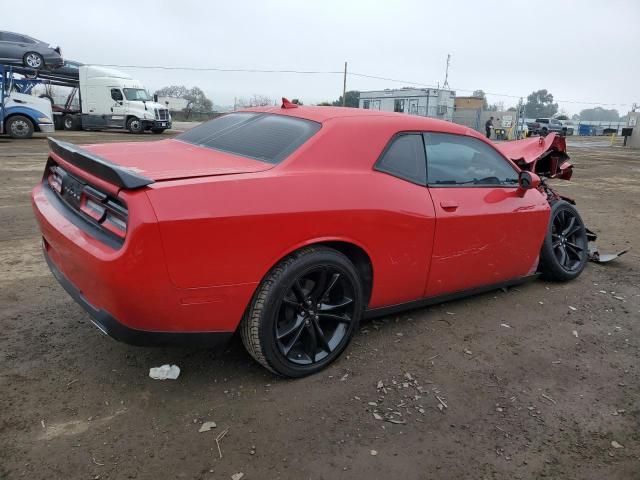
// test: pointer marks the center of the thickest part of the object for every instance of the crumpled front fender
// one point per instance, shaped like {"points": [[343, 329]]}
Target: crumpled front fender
{"points": [[544, 156]]}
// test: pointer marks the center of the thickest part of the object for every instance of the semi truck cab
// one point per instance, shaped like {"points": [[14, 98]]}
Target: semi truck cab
{"points": [[21, 114], [112, 99]]}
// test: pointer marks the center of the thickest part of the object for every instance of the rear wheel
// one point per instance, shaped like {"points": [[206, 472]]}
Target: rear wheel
{"points": [[564, 251], [304, 313], [134, 125], [70, 122], [20, 127], [33, 60]]}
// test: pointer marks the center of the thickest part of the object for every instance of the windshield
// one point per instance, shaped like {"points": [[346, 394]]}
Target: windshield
{"points": [[136, 94]]}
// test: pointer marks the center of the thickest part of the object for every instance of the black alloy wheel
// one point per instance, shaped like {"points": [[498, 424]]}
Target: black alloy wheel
{"points": [[566, 238], [304, 312], [565, 249], [314, 315]]}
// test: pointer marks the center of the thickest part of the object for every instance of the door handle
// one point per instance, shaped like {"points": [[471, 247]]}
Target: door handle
{"points": [[449, 205]]}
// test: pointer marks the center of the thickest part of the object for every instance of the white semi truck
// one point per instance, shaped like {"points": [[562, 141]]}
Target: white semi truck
{"points": [[106, 98]]}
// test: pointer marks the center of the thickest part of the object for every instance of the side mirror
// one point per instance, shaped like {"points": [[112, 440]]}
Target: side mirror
{"points": [[527, 181]]}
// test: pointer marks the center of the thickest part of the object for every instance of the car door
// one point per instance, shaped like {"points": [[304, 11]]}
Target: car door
{"points": [[487, 230], [117, 118]]}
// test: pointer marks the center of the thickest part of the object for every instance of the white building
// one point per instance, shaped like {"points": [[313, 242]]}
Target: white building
{"points": [[426, 102]]}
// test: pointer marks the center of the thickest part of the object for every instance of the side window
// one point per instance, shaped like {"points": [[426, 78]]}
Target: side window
{"points": [[11, 37], [365, 104], [116, 94], [404, 158], [398, 105], [462, 160]]}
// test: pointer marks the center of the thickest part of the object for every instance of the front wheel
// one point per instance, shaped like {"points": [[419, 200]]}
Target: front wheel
{"points": [[564, 252], [134, 125], [304, 313], [20, 127]]}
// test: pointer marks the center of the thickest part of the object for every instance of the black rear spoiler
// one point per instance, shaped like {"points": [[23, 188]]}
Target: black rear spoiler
{"points": [[98, 166]]}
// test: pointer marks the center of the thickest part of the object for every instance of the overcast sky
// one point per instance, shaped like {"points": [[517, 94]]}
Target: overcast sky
{"points": [[579, 50]]}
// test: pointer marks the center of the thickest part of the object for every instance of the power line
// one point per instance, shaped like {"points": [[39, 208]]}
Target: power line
{"points": [[214, 69], [336, 72]]}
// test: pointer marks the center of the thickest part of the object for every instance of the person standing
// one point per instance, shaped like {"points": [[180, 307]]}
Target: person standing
{"points": [[488, 126]]}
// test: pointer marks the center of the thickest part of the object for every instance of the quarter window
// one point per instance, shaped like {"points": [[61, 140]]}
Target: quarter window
{"points": [[462, 160], [405, 159]]}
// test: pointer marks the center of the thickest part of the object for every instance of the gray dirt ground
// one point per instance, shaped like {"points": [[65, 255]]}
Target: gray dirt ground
{"points": [[530, 401]]}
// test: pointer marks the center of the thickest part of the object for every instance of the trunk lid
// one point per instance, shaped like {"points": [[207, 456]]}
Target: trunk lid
{"points": [[173, 159]]}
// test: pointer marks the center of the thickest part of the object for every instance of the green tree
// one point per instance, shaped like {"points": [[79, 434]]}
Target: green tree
{"points": [[600, 114], [562, 117], [481, 94], [352, 99], [540, 105], [324, 104]]}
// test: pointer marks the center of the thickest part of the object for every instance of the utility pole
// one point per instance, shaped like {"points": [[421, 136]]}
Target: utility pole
{"points": [[445, 85], [344, 86]]}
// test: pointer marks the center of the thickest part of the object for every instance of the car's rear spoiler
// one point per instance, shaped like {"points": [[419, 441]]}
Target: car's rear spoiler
{"points": [[98, 166]]}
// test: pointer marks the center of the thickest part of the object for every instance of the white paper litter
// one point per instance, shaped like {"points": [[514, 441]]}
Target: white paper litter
{"points": [[165, 372]]}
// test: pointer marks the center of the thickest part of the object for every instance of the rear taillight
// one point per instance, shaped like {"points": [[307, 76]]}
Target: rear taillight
{"points": [[54, 179], [108, 212]]}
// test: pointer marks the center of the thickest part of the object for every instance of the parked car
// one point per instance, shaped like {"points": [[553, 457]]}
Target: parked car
{"points": [[547, 125], [18, 49], [291, 224]]}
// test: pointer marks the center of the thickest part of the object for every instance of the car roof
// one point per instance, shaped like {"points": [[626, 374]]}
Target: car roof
{"points": [[335, 114], [22, 35]]}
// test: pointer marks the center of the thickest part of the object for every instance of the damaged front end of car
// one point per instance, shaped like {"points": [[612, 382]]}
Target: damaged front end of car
{"points": [[547, 157]]}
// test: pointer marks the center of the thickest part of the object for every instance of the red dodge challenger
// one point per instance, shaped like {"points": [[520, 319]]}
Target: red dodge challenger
{"points": [[290, 224]]}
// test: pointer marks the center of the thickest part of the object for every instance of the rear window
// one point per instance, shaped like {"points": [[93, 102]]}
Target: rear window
{"points": [[261, 136]]}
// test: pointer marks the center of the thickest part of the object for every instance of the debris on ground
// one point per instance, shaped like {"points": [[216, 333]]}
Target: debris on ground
{"points": [[468, 352], [374, 452], [206, 426], [575, 333], [237, 476], [505, 325], [165, 372], [220, 437], [615, 444]]}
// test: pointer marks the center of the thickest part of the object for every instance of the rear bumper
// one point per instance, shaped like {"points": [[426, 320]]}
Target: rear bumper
{"points": [[126, 288], [109, 325]]}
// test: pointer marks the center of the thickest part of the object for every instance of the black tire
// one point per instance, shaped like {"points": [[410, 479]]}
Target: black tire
{"points": [[20, 126], [158, 130], [33, 60], [134, 125], [544, 132], [564, 252], [70, 122], [301, 306]]}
